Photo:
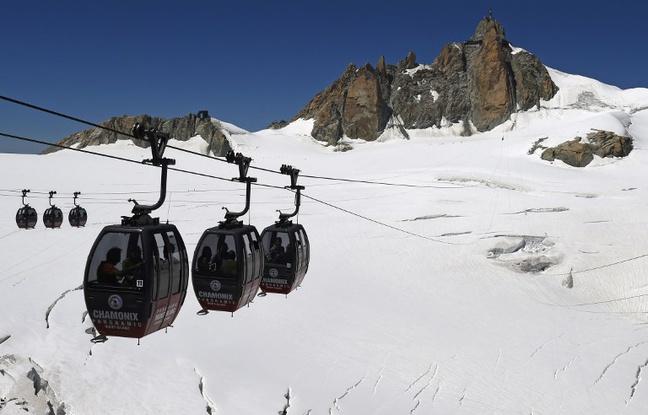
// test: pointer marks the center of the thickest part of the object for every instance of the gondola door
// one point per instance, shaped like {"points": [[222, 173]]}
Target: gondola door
{"points": [[118, 301], [179, 271], [304, 253], [218, 270], [258, 259], [280, 256], [251, 269], [163, 270]]}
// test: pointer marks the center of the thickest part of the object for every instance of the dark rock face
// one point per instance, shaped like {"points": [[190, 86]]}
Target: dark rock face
{"points": [[573, 152], [365, 112], [608, 144], [409, 62], [579, 154], [532, 81], [276, 125], [181, 128], [327, 108], [479, 81], [492, 87]]}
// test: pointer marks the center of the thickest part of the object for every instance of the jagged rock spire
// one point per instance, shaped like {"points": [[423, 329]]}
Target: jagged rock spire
{"points": [[480, 83]]}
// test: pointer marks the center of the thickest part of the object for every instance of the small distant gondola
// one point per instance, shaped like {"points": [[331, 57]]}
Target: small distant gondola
{"points": [[228, 260], [26, 217], [78, 215], [137, 272], [53, 216], [286, 247]]}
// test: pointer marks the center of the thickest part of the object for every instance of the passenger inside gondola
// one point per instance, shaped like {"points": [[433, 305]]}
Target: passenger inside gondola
{"points": [[168, 254], [132, 265], [107, 272], [277, 251], [225, 259], [204, 261], [289, 258]]}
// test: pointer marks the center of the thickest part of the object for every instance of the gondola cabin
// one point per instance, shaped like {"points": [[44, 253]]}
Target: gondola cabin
{"points": [[287, 255], [78, 217], [53, 216], [135, 279], [227, 267], [26, 217]]}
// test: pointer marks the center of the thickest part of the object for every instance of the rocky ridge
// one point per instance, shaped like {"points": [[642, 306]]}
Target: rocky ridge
{"points": [[181, 128], [579, 153], [479, 82]]}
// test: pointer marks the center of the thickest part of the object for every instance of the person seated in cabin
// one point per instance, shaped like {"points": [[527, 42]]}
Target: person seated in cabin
{"points": [[289, 257], [132, 265], [217, 260], [170, 254], [277, 251], [225, 260], [107, 272], [204, 261], [228, 267]]}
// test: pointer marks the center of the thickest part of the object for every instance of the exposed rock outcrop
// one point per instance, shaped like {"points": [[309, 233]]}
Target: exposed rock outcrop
{"points": [[276, 125], [479, 82], [365, 111], [492, 87], [532, 81], [580, 153], [181, 128]]}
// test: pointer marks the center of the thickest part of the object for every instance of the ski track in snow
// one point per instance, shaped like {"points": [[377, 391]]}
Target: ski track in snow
{"points": [[468, 182], [337, 400], [427, 385], [462, 397], [416, 396], [542, 346], [287, 396], [562, 370], [435, 216], [499, 358], [60, 297], [378, 379], [210, 405], [433, 398], [539, 210], [635, 385], [615, 359], [411, 385], [454, 234]]}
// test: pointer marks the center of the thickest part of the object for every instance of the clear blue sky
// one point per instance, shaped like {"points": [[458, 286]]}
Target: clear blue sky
{"points": [[251, 62]]}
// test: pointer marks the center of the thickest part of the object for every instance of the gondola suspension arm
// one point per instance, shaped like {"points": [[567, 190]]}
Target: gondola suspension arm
{"points": [[24, 194], [243, 165], [158, 141], [51, 195], [294, 176]]}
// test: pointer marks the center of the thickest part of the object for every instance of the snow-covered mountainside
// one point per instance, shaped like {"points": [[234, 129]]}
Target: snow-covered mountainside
{"points": [[529, 297]]}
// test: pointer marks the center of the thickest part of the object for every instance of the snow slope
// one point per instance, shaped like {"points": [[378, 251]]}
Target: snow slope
{"points": [[385, 323]]}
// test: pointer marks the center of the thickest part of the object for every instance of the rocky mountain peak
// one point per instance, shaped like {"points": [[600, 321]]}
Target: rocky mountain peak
{"points": [[409, 62], [381, 66], [479, 82], [489, 26], [180, 128]]}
